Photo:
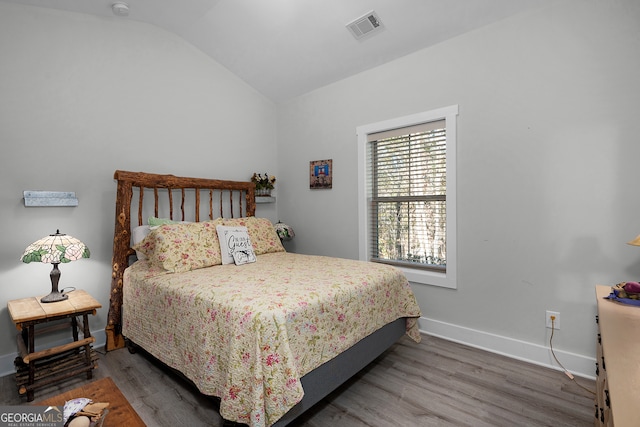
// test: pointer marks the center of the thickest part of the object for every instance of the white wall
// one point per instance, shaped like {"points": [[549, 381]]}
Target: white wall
{"points": [[547, 149], [547, 158], [82, 96]]}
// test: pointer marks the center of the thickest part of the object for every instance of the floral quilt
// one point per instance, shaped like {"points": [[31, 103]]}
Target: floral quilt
{"points": [[247, 334]]}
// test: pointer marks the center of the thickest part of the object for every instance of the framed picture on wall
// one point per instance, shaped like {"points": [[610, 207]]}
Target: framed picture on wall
{"points": [[320, 174]]}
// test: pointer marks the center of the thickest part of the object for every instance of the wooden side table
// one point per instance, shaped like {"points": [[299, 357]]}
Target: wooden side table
{"points": [[36, 369]]}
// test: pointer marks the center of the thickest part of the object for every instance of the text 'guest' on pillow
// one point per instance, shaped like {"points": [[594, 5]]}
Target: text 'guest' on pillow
{"points": [[235, 245]]}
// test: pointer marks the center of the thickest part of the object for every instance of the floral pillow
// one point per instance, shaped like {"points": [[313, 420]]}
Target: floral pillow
{"points": [[183, 247], [263, 235], [154, 222]]}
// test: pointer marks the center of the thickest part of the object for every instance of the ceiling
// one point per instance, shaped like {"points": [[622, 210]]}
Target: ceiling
{"points": [[285, 48]]}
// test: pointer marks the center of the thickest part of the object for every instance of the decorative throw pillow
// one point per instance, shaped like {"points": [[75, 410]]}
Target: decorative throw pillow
{"points": [[140, 232], [153, 221], [262, 233], [235, 245], [244, 256], [182, 247]]}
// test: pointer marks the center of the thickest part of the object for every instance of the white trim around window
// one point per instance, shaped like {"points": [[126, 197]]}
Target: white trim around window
{"points": [[449, 114]]}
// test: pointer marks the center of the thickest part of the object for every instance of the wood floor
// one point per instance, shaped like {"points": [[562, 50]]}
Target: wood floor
{"points": [[434, 383]]}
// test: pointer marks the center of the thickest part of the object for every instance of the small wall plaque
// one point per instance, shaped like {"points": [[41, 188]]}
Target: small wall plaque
{"points": [[50, 198]]}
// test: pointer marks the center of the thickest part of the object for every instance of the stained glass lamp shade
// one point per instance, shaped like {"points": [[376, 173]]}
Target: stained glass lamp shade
{"points": [[284, 231], [55, 249]]}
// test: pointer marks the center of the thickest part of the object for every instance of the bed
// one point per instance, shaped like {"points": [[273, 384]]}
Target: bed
{"points": [[270, 337]]}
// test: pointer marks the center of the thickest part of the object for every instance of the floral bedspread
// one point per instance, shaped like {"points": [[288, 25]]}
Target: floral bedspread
{"points": [[247, 334]]}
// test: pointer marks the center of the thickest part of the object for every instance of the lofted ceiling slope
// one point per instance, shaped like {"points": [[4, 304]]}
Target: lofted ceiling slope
{"points": [[285, 48]]}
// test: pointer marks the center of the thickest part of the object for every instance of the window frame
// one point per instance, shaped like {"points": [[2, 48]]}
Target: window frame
{"points": [[416, 275]]}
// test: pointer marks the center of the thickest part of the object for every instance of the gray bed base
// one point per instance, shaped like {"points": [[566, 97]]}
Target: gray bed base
{"points": [[318, 383]]}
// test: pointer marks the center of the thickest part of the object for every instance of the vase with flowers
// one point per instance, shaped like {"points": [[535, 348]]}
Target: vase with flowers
{"points": [[264, 183]]}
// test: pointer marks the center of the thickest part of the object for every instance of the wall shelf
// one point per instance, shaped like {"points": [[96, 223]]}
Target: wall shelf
{"points": [[265, 199], [50, 198]]}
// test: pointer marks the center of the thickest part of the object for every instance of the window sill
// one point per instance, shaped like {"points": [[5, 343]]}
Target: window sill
{"points": [[433, 278]]}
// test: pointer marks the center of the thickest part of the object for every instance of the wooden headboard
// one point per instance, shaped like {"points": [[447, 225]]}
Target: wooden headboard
{"points": [[193, 198]]}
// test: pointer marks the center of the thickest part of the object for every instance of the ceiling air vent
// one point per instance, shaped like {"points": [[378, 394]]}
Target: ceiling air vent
{"points": [[365, 25]]}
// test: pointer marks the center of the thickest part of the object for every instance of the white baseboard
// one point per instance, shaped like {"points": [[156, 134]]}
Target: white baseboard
{"points": [[533, 353], [577, 364], [6, 360]]}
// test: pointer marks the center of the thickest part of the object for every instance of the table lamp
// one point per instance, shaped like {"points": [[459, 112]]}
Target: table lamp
{"points": [[55, 249], [284, 231]]}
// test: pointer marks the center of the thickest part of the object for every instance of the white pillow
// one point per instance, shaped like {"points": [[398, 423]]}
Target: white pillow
{"points": [[235, 245], [137, 235]]}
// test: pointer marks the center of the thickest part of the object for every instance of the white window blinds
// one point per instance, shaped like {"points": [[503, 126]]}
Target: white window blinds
{"points": [[408, 193]]}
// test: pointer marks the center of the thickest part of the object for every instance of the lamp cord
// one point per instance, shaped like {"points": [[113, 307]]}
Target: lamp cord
{"points": [[71, 289], [567, 373]]}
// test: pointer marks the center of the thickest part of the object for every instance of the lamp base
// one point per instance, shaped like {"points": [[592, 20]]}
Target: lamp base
{"points": [[54, 296]]}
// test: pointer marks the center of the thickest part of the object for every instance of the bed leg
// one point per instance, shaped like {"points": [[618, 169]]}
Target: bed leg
{"points": [[131, 346]]}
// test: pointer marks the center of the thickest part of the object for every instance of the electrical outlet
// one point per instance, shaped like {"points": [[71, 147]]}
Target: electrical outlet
{"points": [[556, 320]]}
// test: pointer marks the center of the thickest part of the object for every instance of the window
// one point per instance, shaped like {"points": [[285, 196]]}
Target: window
{"points": [[407, 195]]}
